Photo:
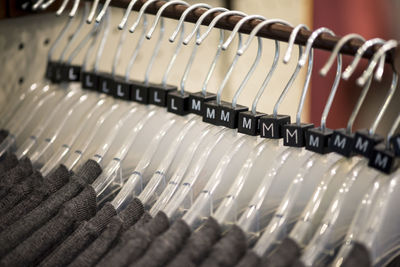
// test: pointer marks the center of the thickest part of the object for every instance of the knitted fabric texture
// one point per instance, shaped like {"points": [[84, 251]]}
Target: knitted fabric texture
{"points": [[19, 191], [107, 239], [136, 240], [41, 242], [51, 184], [284, 255], [28, 224], [199, 244], [14, 176], [250, 259], [80, 238], [8, 162], [165, 247], [228, 250]]}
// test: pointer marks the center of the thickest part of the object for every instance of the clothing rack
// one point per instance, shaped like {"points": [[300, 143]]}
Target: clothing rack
{"points": [[274, 31]]}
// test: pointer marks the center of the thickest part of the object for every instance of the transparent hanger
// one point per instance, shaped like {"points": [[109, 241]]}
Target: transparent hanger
{"points": [[365, 225], [210, 195], [251, 173], [91, 117], [336, 221], [138, 181], [56, 123]]}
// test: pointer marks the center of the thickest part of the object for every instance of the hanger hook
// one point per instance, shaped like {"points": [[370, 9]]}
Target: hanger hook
{"points": [[102, 41], [58, 39], [126, 14], [360, 51], [137, 49], [256, 60], [368, 72], [194, 50], [184, 15], [386, 47], [141, 13], [196, 28], [102, 12], [238, 26], [215, 21], [286, 59], [335, 52], [159, 13], [336, 81], [93, 35], [76, 32]]}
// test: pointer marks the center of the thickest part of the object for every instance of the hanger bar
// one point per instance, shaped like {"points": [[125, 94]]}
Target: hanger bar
{"points": [[274, 31]]}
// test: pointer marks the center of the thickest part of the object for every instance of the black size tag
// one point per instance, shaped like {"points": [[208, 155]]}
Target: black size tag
{"points": [[228, 116], [158, 94], [295, 135], [89, 80], [271, 126], [197, 101], [383, 159], [364, 142], [249, 123], [139, 92], [341, 142], [57, 69], [317, 140], [210, 112], [106, 83], [178, 103], [71, 73], [395, 142], [50, 69], [121, 88]]}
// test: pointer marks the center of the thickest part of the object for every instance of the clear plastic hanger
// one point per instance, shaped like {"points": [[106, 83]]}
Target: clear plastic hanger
{"points": [[301, 188], [336, 221], [55, 122], [332, 180], [368, 226], [250, 174]]}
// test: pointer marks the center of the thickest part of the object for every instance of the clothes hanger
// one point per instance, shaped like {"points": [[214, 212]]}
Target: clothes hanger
{"points": [[250, 174], [379, 236], [301, 188], [56, 122], [331, 181], [250, 220], [336, 221]]}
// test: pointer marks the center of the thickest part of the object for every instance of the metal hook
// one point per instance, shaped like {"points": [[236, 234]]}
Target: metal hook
{"points": [[392, 130], [256, 60], [196, 28], [184, 15], [141, 13], [335, 82], [351, 68], [386, 47], [58, 39], [237, 27], [201, 39], [137, 49], [74, 8], [44, 5], [336, 50], [76, 32], [126, 14], [92, 11], [368, 72], [103, 11], [194, 50], [309, 69], [97, 28], [102, 42], [179, 45], [214, 22], [159, 13], [62, 8]]}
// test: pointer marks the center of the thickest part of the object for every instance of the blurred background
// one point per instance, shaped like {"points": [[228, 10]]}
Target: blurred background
{"points": [[25, 39]]}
